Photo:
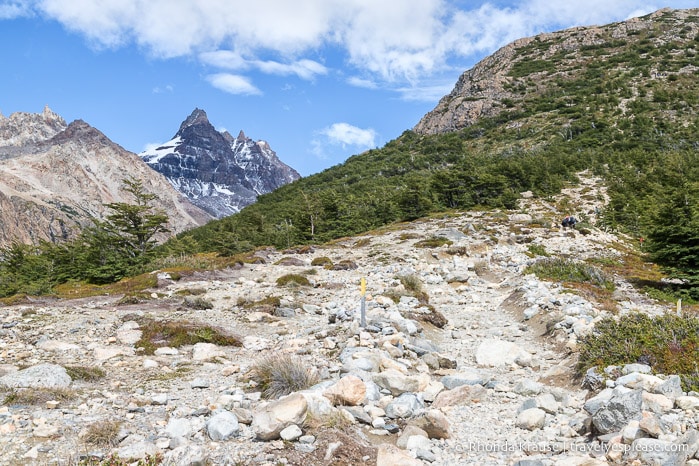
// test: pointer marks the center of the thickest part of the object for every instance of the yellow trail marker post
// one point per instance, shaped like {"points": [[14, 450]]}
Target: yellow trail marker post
{"points": [[362, 283]]}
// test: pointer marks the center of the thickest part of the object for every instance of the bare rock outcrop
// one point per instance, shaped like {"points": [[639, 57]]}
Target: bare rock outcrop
{"points": [[55, 177]]}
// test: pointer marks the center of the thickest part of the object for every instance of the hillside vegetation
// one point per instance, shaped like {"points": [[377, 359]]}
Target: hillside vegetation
{"points": [[620, 101], [623, 106]]}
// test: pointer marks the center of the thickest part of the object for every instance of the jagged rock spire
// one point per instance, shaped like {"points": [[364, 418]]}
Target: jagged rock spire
{"points": [[197, 117]]}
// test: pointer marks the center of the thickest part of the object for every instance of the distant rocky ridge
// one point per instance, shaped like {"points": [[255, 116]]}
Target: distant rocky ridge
{"points": [[55, 176], [215, 171], [496, 84]]}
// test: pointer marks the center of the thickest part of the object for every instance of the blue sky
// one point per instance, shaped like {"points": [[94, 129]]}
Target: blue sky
{"points": [[319, 80]]}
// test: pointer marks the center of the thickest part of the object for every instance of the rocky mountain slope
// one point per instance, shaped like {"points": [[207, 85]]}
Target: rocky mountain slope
{"points": [[633, 61], [55, 176], [490, 386], [217, 172]]}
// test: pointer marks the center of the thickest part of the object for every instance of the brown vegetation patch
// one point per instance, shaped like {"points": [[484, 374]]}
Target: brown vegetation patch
{"points": [[36, 396], [177, 333], [86, 373], [290, 261], [14, 300], [103, 433], [362, 242], [322, 262], [434, 242], [407, 236], [352, 451], [345, 264], [307, 249], [433, 317], [269, 304], [197, 303], [293, 279], [127, 286]]}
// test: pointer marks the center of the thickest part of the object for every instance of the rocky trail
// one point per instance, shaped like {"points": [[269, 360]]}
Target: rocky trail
{"points": [[492, 385]]}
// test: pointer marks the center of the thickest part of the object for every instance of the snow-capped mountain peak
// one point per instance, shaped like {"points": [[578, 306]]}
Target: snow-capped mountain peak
{"points": [[217, 172]]}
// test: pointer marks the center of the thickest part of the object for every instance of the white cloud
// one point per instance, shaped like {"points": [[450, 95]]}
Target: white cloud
{"points": [[344, 135], [304, 69], [15, 9], [224, 59], [233, 84], [347, 135], [361, 82], [228, 59], [168, 88], [389, 42]]}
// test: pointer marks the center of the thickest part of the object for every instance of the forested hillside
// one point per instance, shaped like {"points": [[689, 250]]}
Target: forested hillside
{"points": [[620, 100]]}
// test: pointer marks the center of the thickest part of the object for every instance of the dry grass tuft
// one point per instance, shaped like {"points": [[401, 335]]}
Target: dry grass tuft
{"points": [[36, 396], [280, 374], [103, 433]]}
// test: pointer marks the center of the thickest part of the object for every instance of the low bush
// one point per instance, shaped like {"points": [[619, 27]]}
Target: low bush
{"points": [[86, 373], [434, 242], [177, 333], [567, 270], [534, 250], [669, 344], [344, 264], [268, 304], [197, 303], [293, 279], [277, 375], [322, 262]]}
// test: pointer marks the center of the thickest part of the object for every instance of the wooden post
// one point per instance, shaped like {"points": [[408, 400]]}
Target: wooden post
{"points": [[363, 301]]}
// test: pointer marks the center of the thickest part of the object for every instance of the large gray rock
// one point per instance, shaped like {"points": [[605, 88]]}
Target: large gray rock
{"points": [[41, 376], [206, 351], [409, 431], [434, 423], [222, 426], [595, 403], [291, 433], [186, 455], [616, 414], [465, 377], [687, 402], [531, 419], [391, 455], [137, 450], [405, 406], [348, 391], [671, 387], [528, 387], [269, 420], [461, 395], [397, 382], [657, 452], [178, 427], [494, 353]]}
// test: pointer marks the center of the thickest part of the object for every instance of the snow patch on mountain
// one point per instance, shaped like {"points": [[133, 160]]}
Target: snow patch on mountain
{"points": [[216, 171]]}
